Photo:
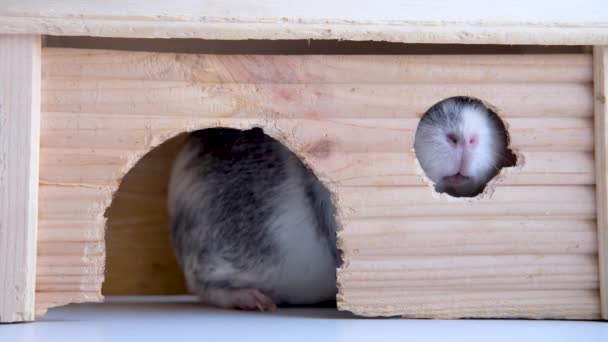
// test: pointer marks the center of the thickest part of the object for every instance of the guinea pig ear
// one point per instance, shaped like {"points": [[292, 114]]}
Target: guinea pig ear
{"points": [[216, 141], [256, 134]]}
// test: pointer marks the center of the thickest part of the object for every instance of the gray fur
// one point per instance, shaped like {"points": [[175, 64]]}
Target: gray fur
{"points": [[227, 194]]}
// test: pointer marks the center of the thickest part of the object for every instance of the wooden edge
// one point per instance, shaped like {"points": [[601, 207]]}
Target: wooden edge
{"points": [[19, 163], [414, 33], [542, 22], [600, 71]]}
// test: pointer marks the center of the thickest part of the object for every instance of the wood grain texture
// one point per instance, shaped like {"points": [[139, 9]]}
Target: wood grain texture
{"points": [[600, 71], [377, 237], [542, 22], [137, 230], [344, 168], [524, 249], [19, 159], [381, 134], [450, 304], [530, 201], [352, 100]]}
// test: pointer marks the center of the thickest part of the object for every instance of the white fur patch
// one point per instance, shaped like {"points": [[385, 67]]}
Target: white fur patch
{"points": [[307, 273]]}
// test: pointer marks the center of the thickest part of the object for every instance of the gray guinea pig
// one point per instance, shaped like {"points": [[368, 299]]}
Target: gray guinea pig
{"points": [[251, 225], [461, 145]]}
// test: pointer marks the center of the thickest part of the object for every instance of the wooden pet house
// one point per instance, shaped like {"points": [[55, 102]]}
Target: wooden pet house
{"points": [[74, 122]]}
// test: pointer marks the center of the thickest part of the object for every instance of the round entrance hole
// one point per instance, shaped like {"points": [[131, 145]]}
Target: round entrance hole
{"points": [[461, 145], [140, 258]]}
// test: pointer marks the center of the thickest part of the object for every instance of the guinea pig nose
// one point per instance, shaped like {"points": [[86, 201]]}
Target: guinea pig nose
{"points": [[452, 139]]}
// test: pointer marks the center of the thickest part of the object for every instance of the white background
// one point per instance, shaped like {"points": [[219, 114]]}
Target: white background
{"points": [[177, 319]]}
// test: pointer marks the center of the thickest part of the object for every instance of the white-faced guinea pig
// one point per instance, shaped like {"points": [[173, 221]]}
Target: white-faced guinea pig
{"points": [[251, 226], [461, 145]]}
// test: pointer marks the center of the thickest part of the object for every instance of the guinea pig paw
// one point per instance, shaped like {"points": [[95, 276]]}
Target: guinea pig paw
{"points": [[252, 299]]}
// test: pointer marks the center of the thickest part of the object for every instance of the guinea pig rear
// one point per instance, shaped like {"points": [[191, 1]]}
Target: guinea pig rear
{"points": [[251, 226]]}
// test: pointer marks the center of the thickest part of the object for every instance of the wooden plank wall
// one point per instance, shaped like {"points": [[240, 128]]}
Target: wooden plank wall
{"points": [[600, 77], [528, 249], [19, 159]]}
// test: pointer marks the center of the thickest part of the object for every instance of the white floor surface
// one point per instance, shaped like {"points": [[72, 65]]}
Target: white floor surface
{"points": [[177, 319]]}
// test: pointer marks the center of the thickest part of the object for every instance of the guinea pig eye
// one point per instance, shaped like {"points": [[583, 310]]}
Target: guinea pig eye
{"points": [[452, 138]]}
